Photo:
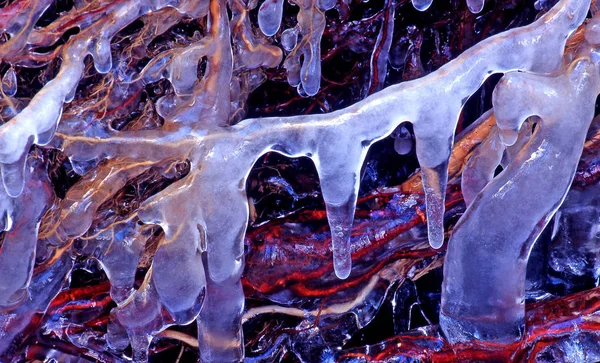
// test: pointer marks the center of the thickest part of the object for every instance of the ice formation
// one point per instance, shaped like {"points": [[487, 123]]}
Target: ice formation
{"points": [[534, 183], [195, 272]]}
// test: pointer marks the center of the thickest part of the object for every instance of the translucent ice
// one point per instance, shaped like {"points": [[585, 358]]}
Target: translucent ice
{"points": [[422, 5], [204, 215], [475, 5], [484, 274], [269, 16]]}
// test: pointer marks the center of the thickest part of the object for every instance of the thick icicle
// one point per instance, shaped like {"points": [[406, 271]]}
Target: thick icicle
{"points": [[179, 271], [484, 275], [340, 180], [219, 323], [17, 253], [480, 168]]}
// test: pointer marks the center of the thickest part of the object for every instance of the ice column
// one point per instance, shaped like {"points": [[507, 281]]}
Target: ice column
{"points": [[484, 274]]}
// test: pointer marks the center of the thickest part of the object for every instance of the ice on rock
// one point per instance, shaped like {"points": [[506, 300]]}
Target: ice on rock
{"points": [[484, 274], [269, 16]]}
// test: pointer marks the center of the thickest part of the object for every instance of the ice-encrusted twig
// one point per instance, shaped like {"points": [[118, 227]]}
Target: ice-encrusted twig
{"points": [[336, 142]]}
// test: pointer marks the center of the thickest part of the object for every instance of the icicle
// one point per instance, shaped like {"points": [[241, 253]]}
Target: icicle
{"points": [[381, 51], [140, 343], [422, 5], [179, 272], [269, 16], [18, 249], [592, 31], [289, 38], [121, 258], [340, 179], [403, 142], [100, 51], [13, 176], [475, 6], [480, 167], [9, 82], [306, 75], [219, 323], [483, 292], [434, 185]]}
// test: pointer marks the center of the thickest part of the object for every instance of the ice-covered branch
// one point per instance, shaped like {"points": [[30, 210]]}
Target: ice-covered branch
{"points": [[195, 272]]}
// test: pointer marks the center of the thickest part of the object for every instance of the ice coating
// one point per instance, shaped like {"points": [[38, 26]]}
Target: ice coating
{"points": [[486, 305], [312, 136], [306, 74], [208, 212], [379, 58]]}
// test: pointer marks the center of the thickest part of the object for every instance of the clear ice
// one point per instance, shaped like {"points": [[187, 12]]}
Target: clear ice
{"points": [[195, 273]]}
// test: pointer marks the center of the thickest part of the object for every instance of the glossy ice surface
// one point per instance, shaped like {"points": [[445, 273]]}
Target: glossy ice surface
{"points": [[196, 269]]}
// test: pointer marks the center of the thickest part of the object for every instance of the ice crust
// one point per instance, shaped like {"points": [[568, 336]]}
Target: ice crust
{"points": [[195, 274]]}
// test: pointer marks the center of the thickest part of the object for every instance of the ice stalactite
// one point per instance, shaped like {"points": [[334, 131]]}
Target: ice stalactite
{"points": [[380, 56], [269, 16], [21, 218], [303, 63], [197, 267], [484, 274]]}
